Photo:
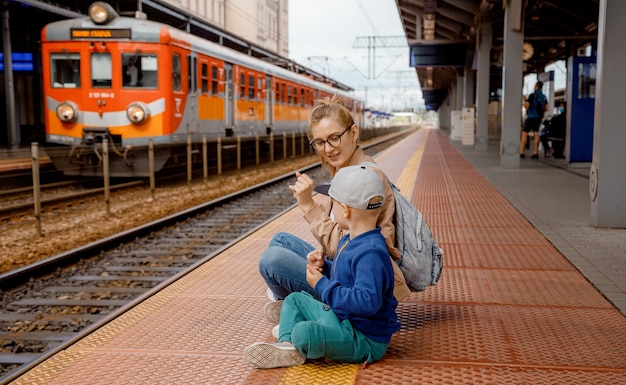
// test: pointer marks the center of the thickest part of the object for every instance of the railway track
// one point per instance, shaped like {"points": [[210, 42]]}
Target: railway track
{"points": [[48, 305], [17, 201]]}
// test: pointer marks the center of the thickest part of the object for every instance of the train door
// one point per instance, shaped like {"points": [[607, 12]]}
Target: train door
{"points": [[269, 101], [229, 100], [192, 92], [178, 101]]}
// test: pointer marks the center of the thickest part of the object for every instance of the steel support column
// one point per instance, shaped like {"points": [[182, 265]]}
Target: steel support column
{"points": [[608, 175], [512, 84], [482, 86], [13, 131]]}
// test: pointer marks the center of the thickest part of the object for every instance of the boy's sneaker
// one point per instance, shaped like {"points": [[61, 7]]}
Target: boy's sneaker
{"points": [[272, 311], [265, 355], [276, 331]]}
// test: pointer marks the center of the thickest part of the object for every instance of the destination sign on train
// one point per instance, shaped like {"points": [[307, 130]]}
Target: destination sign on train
{"points": [[96, 33]]}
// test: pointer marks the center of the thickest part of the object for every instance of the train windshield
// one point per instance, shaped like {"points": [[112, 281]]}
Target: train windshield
{"points": [[65, 70], [139, 70], [101, 74]]}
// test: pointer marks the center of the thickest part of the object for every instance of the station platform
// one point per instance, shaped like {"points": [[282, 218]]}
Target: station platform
{"points": [[554, 197], [510, 308]]}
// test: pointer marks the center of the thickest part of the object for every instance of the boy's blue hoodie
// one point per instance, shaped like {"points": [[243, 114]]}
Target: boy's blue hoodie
{"points": [[358, 285]]}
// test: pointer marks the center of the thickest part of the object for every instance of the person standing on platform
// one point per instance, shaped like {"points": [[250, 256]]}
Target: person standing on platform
{"points": [[536, 105], [356, 317]]}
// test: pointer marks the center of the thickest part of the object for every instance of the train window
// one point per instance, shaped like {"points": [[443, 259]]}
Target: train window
{"points": [[177, 73], [139, 70], [259, 82], [283, 93], [101, 72], [251, 90], [204, 74], [214, 79], [242, 86], [65, 70], [302, 99], [289, 96], [277, 97], [189, 77], [192, 67]]}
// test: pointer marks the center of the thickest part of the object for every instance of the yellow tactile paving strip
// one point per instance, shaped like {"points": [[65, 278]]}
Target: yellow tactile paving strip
{"points": [[509, 308]]}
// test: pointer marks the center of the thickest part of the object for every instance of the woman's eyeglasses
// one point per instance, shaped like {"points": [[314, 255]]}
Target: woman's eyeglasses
{"points": [[333, 140]]}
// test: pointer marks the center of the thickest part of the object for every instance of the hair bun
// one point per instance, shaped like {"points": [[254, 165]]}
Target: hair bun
{"points": [[335, 99]]}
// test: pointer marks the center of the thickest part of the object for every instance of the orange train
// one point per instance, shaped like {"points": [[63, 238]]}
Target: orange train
{"points": [[132, 80]]}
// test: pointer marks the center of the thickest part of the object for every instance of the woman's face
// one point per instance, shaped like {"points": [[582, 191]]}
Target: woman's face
{"points": [[327, 130]]}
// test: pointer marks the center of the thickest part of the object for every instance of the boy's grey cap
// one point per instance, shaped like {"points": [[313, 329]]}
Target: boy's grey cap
{"points": [[355, 186]]}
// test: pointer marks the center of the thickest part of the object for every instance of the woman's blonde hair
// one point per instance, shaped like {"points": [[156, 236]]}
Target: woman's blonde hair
{"points": [[330, 107]]}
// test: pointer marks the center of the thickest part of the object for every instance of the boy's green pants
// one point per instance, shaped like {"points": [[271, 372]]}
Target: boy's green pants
{"points": [[314, 329]]}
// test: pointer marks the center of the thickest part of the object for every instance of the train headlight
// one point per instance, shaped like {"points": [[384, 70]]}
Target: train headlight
{"points": [[101, 13], [138, 112], [67, 112]]}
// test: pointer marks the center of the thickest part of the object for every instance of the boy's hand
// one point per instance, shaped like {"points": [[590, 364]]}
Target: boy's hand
{"points": [[316, 258], [315, 262], [313, 274]]}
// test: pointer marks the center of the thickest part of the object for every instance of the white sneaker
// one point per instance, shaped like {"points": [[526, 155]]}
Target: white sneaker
{"points": [[276, 331], [265, 355], [272, 311], [270, 295]]}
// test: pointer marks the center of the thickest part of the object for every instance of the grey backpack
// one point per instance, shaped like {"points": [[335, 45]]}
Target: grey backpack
{"points": [[422, 258]]}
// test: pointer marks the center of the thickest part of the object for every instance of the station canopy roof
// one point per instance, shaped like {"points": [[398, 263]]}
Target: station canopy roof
{"points": [[442, 37]]}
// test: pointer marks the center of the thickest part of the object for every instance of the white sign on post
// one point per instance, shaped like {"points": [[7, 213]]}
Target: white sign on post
{"points": [[467, 118], [456, 131]]}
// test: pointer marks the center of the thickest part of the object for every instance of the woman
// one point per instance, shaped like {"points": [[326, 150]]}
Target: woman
{"points": [[334, 135]]}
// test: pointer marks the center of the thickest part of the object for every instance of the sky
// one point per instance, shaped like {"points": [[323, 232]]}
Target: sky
{"points": [[322, 34]]}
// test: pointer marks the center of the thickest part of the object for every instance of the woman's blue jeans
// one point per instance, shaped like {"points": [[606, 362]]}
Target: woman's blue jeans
{"points": [[283, 265]]}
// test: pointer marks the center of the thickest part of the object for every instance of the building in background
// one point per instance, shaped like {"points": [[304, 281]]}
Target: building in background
{"points": [[264, 23]]}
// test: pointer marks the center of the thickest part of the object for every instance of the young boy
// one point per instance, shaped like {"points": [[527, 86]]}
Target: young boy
{"points": [[357, 317]]}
